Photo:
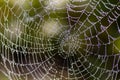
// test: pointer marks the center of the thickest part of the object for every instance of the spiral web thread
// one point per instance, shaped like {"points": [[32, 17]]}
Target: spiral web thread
{"points": [[85, 46]]}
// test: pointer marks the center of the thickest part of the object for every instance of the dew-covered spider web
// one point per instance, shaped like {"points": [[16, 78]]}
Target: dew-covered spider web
{"points": [[59, 39]]}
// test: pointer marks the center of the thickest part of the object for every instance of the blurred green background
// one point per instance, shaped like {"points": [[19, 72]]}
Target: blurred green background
{"points": [[95, 28]]}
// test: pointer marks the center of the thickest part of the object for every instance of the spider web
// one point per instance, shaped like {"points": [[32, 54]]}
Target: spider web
{"points": [[60, 39]]}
